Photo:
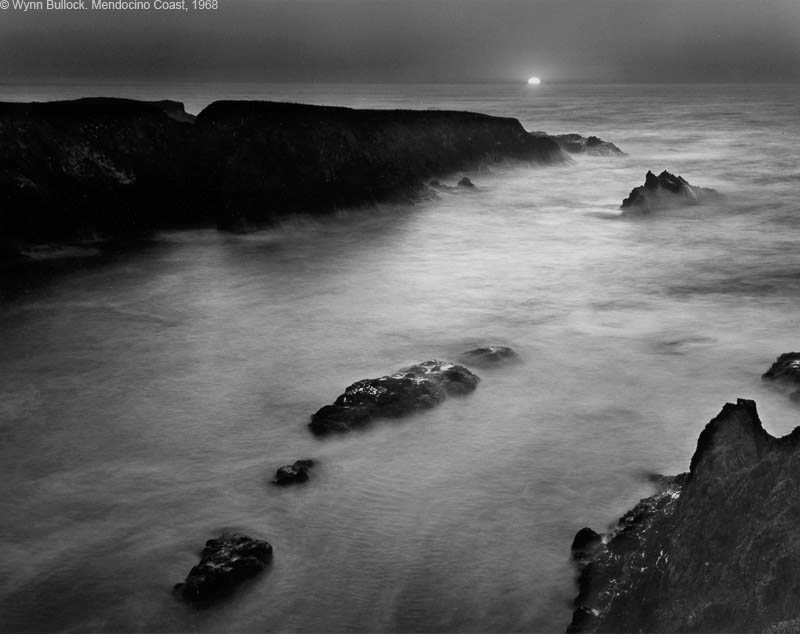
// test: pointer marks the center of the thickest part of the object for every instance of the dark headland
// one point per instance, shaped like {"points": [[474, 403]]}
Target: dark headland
{"points": [[115, 167]]}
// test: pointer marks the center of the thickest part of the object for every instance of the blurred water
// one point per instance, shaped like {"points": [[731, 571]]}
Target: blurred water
{"points": [[147, 396]]}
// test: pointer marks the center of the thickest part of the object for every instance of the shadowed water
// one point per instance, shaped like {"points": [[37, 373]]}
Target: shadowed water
{"points": [[147, 396]]}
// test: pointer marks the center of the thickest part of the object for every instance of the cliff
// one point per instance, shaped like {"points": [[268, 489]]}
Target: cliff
{"points": [[715, 550], [93, 165], [119, 167], [270, 158]]}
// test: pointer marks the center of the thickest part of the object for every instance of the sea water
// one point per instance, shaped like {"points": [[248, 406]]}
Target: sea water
{"points": [[148, 395]]}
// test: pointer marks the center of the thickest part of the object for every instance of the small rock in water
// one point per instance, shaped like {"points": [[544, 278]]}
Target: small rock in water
{"points": [[411, 389], [667, 190], [466, 183], [489, 356], [786, 370], [586, 543], [225, 562], [290, 474]]}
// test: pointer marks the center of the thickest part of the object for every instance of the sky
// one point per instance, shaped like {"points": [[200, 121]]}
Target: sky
{"points": [[440, 41]]}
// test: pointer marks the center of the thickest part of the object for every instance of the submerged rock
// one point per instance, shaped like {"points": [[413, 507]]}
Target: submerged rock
{"points": [[715, 550], [667, 190], [786, 370], [411, 389], [225, 562], [489, 356], [293, 473]]}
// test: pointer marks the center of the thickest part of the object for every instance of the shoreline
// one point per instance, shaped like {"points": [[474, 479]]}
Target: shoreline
{"points": [[108, 167]]}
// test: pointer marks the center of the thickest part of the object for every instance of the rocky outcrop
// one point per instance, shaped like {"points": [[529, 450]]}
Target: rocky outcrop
{"points": [[489, 357], [225, 563], [665, 191], [274, 158], [577, 144], [293, 473], [76, 169], [585, 545], [465, 183], [714, 550], [786, 371], [415, 388]]}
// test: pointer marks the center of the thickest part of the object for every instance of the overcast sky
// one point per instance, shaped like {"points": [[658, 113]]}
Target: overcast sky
{"points": [[412, 40]]}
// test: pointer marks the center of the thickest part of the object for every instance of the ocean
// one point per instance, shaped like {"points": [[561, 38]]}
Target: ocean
{"points": [[148, 394]]}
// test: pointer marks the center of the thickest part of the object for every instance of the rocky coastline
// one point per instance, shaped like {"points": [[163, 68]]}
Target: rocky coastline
{"points": [[714, 550], [105, 167]]}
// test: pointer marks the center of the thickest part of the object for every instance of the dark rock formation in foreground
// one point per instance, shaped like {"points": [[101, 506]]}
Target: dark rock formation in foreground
{"points": [[715, 550], [77, 169], [667, 190], [489, 357], [293, 473], [418, 387], [786, 371], [224, 564]]}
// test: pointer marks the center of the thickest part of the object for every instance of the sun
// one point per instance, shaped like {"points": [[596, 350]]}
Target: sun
{"points": [[534, 81]]}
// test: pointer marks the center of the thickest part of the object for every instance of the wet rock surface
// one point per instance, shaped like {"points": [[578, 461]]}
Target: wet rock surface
{"points": [[293, 473], [225, 563], [786, 371], [489, 357], [667, 191], [412, 389], [714, 550]]}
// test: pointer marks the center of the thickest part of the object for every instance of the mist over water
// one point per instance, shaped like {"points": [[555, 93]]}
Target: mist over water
{"points": [[147, 396]]}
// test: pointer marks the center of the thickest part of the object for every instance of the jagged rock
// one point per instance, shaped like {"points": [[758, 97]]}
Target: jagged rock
{"points": [[715, 550], [786, 370], [465, 183], [293, 473], [489, 356], [667, 190], [225, 563], [411, 389]]}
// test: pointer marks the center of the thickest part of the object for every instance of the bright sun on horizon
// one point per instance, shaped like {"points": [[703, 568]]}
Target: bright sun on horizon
{"points": [[534, 81]]}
